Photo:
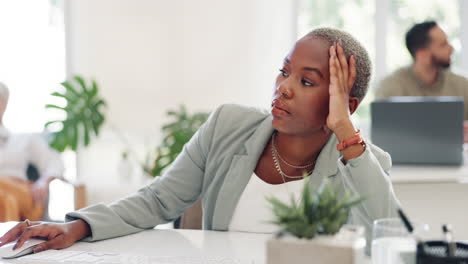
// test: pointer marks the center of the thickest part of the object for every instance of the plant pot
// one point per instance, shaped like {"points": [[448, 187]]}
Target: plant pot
{"points": [[346, 247]]}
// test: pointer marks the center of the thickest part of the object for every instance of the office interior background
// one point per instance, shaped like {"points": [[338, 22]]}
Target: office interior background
{"points": [[150, 56]]}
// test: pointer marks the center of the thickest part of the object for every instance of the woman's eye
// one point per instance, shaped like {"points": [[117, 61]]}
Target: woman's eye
{"points": [[284, 73], [306, 83]]}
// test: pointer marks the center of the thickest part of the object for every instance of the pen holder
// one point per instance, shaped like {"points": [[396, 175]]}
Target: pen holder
{"points": [[436, 252]]}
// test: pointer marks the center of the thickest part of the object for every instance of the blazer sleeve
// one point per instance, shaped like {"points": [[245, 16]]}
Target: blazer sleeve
{"points": [[368, 176], [162, 201]]}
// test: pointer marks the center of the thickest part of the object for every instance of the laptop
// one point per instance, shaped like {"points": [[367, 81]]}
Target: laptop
{"points": [[419, 130]]}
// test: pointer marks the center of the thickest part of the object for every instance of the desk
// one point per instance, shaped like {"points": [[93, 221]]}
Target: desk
{"points": [[431, 173], [181, 243], [434, 195]]}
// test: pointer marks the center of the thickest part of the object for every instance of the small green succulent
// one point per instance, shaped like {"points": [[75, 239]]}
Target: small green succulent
{"points": [[322, 212]]}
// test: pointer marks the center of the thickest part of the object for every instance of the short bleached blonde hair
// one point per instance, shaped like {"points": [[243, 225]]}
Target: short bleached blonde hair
{"points": [[4, 92], [351, 46]]}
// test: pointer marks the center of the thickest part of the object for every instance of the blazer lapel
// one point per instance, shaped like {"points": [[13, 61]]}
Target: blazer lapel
{"points": [[240, 171], [326, 166]]}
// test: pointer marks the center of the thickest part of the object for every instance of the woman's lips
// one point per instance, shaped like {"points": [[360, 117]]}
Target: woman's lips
{"points": [[278, 112], [279, 108]]}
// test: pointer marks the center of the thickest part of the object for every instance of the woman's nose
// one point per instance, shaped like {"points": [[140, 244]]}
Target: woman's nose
{"points": [[284, 89]]}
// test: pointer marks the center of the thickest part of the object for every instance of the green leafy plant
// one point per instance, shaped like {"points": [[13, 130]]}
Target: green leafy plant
{"points": [[175, 135], [322, 212], [83, 111]]}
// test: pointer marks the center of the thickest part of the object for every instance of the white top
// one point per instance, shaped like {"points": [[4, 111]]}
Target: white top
{"points": [[253, 212], [18, 150]]}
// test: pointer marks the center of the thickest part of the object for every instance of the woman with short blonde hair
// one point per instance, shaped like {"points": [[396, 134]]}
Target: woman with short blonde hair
{"points": [[242, 154]]}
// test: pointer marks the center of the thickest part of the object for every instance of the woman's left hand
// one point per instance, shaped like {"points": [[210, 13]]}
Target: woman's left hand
{"points": [[342, 77]]}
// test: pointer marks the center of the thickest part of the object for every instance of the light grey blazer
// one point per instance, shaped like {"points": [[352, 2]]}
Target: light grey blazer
{"points": [[217, 164]]}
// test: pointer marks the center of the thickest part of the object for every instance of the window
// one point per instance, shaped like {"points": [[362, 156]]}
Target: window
{"points": [[32, 65], [32, 60], [340, 14], [404, 13], [381, 26]]}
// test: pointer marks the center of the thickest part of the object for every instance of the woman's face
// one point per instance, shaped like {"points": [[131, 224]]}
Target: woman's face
{"points": [[300, 101]]}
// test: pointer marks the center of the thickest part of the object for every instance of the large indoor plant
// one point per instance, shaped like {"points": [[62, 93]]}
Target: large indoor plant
{"points": [[314, 228], [176, 134], [83, 111]]}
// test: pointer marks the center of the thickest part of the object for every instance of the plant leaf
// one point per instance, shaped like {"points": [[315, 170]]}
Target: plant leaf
{"points": [[55, 106], [84, 114], [81, 82], [69, 88], [176, 134]]}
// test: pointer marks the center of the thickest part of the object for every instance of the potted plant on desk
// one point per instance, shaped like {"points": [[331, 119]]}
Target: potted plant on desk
{"points": [[314, 229]]}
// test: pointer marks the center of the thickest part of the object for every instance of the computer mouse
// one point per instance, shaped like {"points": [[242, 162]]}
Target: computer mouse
{"points": [[7, 252]]}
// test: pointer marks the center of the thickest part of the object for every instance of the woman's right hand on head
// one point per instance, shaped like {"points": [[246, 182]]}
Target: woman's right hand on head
{"points": [[58, 235]]}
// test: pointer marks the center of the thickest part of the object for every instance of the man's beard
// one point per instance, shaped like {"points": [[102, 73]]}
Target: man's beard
{"points": [[440, 64]]}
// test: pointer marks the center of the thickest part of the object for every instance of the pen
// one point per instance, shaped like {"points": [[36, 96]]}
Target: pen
{"points": [[451, 246], [410, 227], [405, 220]]}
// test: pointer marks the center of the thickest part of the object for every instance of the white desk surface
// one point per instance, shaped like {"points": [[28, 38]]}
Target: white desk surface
{"points": [[402, 174], [179, 243]]}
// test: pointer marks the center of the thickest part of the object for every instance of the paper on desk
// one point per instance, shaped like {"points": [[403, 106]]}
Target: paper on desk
{"points": [[68, 256]]}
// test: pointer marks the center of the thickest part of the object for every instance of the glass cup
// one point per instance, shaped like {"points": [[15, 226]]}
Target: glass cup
{"points": [[392, 243]]}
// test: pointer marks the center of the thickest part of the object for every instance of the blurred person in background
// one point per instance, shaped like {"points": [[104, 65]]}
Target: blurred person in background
{"points": [[429, 74], [21, 198]]}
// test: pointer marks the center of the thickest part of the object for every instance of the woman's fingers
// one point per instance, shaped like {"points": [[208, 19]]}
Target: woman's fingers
{"points": [[27, 234], [346, 69], [333, 67], [343, 64], [16, 231], [36, 231], [13, 233], [352, 72], [338, 70], [58, 235]]}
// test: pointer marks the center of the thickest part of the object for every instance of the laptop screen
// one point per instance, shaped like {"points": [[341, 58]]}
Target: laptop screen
{"points": [[419, 130]]}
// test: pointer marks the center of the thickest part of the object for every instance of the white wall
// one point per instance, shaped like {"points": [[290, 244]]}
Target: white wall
{"points": [[152, 55]]}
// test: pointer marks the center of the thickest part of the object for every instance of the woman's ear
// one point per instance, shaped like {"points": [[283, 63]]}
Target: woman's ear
{"points": [[353, 104]]}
